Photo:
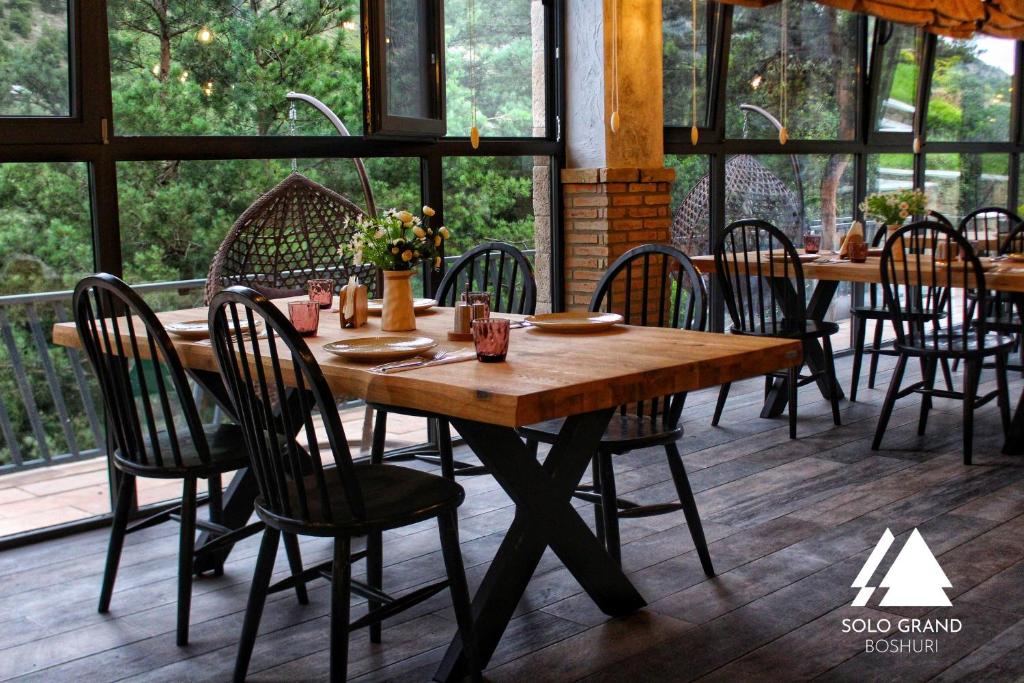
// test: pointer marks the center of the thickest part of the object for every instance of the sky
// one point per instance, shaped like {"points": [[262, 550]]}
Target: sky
{"points": [[996, 52]]}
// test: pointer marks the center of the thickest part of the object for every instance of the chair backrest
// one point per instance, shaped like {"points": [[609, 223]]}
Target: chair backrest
{"points": [[495, 267], [987, 228], [1013, 243], [288, 236], [654, 285], [275, 384], [925, 296], [147, 395], [762, 281]]}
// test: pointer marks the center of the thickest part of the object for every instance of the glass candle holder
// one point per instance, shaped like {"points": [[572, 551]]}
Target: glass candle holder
{"points": [[812, 242], [859, 251], [490, 337], [305, 317], [321, 291]]}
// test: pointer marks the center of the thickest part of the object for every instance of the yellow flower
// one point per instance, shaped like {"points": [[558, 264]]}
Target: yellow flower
{"points": [[407, 255], [444, 232], [419, 232], [904, 214], [394, 250], [437, 262], [427, 211], [404, 216], [437, 241]]}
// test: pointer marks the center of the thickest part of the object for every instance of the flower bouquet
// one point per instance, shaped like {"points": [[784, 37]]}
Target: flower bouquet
{"points": [[892, 208], [396, 242]]}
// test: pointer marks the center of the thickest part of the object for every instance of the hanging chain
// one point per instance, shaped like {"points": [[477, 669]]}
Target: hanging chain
{"points": [[693, 74], [472, 58], [783, 86], [293, 114]]}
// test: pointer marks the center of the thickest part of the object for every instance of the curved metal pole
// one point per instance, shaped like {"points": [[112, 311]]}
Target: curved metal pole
{"points": [[364, 180], [792, 157]]}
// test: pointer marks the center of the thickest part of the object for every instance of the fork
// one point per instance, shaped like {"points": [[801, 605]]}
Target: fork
{"points": [[417, 360]]}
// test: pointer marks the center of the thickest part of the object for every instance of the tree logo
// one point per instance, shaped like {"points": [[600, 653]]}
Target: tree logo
{"points": [[915, 578]]}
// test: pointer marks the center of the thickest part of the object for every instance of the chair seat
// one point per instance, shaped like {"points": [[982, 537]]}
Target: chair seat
{"points": [[625, 433], [227, 452], [880, 312], [994, 343], [1011, 325], [813, 329], [394, 497]]}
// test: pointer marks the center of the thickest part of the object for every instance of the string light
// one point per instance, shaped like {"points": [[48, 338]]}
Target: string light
{"points": [[156, 70], [204, 35], [349, 25], [208, 88], [183, 77], [755, 82]]}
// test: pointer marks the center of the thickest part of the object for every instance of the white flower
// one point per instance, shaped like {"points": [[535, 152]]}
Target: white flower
{"points": [[357, 258]]}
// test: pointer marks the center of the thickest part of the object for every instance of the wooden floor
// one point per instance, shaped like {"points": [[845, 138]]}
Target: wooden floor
{"points": [[790, 524]]}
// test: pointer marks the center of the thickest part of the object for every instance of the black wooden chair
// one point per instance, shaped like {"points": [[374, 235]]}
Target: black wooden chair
{"points": [[153, 428], [908, 258], [772, 304], [298, 494], [653, 285], [502, 270]]}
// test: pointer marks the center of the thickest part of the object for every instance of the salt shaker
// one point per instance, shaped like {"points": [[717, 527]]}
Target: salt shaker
{"points": [[463, 317]]}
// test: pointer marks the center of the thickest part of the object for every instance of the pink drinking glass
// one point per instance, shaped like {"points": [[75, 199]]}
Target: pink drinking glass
{"points": [[321, 291], [305, 317], [812, 242], [490, 337]]}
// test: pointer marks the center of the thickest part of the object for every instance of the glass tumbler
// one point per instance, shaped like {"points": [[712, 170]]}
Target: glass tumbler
{"points": [[859, 251], [812, 242], [321, 291], [490, 337], [305, 316]]}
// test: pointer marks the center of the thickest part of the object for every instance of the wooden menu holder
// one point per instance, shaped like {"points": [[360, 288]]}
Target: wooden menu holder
{"points": [[359, 308]]}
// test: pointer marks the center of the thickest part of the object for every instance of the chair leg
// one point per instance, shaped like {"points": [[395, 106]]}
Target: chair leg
{"points": [[876, 345], [117, 533], [971, 371], [830, 368], [595, 478], [685, 493], [291, 547], [448, 525], [890, 400], [444, 448], [929, 366], [532, 447], [1002, 385], [257, 598], [972, 305], [186, 551], [723, 393], [380, 434], [860, 328], [341, 585], [609, 508], [946, 374], [375, 576], [793, 377]]}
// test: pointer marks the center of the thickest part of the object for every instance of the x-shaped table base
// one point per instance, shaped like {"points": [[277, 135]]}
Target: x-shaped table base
{"points": [[544, 518]]}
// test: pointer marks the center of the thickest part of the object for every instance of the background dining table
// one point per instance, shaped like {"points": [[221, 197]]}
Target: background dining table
{"points": [[581, 377], [829, 270]]}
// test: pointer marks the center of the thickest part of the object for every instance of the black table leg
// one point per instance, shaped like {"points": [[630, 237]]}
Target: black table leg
{"points": [[1015, 439], [544, 517], [814, 355]]}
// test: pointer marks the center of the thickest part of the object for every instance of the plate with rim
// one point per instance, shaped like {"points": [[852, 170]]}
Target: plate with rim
{"points": [[575, 322], [200, 329], [380, 349], [1016, 256], [375, 306]]}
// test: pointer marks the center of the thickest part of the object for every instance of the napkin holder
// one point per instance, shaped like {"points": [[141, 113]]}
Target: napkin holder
{"points": [[855, 234], [353, 305]]}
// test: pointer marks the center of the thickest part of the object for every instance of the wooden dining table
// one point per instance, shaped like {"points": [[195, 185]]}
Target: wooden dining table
{"points": [[829, 271], [580, 377]]}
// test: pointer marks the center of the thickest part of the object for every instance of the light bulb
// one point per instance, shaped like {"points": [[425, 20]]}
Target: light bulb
{"points": [[156, 69], [755, 82], [349, 25], [204, 36]]}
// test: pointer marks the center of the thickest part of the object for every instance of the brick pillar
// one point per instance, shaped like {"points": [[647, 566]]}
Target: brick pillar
{"points": [[607, 212]]}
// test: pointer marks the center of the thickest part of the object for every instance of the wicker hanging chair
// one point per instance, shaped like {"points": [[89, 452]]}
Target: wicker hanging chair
{"points": [[751, 190], [289, 235]]}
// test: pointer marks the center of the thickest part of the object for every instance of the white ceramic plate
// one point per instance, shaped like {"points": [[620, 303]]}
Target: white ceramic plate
{"points": [[575, 322], [380, 349], [375, 306], [200, 329]]}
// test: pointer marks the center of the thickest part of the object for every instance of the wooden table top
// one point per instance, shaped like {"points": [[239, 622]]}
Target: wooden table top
{"points": [[545, 376], [1006, 276]]}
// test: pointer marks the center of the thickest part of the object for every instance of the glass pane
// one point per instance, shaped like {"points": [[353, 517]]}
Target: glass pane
{"points": [[888, 173], [34, 71], [181, 210], [897, 79], [959, 183], [214, 68], [972, 89], [507, 74], [507, 199], [821, 72], [678, 60], [405, 37], [46, 246]]}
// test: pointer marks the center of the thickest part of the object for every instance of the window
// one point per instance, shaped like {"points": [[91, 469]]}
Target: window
{"points": [[898, 49], [505, 81], [211, 68], [972, 87], [34, 66], [677, 61], [957, 184], [820, 75]]}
